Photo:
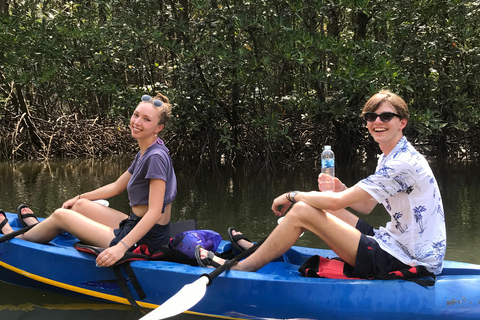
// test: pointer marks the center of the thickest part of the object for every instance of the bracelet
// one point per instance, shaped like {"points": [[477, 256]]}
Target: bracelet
{"points": [[287, 195], [125, 244], [291, 196]]}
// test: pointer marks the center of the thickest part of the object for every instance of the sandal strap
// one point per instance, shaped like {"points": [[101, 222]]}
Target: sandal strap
{"points": [[4, 222], [29, 215], [210, 262], [240, 237]]}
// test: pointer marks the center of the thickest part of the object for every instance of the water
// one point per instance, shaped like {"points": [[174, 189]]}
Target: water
{"points": [[217, 200]]}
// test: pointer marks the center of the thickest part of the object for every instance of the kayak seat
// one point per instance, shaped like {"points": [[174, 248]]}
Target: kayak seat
{"points": [[181, 226]]}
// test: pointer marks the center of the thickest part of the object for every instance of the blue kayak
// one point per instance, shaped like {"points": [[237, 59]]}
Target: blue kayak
{"points": [[277, 291]]}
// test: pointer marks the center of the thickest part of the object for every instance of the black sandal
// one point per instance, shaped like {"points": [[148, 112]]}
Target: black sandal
{"points": [[23, 216], [4, 222], [205, 262], [234, 238]]}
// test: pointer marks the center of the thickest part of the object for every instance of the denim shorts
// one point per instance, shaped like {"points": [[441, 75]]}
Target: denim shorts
{"points": [[371, 259], [158, 236]]}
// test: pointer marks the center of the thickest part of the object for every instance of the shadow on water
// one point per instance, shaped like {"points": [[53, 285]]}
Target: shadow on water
{"points": [[241, 198], [29, 304]]}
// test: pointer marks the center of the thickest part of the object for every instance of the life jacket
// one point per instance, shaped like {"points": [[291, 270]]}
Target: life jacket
{"points": [[321, 267]]}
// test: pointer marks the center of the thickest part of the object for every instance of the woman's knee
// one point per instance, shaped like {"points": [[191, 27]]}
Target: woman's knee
{"points": [[60, 214], [81, 204]]}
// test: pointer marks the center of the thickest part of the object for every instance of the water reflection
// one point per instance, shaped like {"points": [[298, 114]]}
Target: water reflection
{"points": [[217, 200], [29, 304]]}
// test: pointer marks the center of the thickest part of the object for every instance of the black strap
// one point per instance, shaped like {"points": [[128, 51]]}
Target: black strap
{"points": [[13, 234], [133, 278], [117, 269], [124, 286]]}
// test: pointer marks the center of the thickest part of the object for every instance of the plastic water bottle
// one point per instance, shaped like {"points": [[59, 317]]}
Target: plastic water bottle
{"points": [[328, 168]]}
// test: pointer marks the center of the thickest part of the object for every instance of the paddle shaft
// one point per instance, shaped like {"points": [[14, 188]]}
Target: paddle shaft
{"points": [[229, 263], [13, 234]]}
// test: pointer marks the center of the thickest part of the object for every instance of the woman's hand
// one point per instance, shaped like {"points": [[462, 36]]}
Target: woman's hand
{"points": [[110, 256], [70, 203], [280, 205], [339, 186]]}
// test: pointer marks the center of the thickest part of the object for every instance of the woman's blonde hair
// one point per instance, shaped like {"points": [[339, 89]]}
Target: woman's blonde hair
{"points": [[165, 110]]}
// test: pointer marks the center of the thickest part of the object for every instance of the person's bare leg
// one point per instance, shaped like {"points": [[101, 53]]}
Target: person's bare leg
{"points": [[100, 213], [339, 235], [61, 220], [347, 216]]}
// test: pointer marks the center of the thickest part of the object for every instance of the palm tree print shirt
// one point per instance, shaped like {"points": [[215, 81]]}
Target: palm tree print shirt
{"points": [[405, 185]]}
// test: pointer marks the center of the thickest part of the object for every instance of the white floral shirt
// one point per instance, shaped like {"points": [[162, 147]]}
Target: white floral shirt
{"points": [[405, 185]]}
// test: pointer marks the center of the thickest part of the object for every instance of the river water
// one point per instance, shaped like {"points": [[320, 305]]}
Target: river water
{"points": [[218, 199]]}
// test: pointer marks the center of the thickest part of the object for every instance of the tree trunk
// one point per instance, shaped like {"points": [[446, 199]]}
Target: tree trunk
{"points": [[18, 100], [4, 7]]}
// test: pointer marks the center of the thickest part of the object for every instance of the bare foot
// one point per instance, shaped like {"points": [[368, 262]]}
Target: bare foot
{"points": [[206, 255]]}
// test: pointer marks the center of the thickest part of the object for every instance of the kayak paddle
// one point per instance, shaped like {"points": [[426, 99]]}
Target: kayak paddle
{"points": [[192, 293]]}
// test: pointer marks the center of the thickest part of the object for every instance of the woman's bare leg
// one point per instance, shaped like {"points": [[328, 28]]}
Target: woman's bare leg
{"points": [[100, 213], [80, 226]]}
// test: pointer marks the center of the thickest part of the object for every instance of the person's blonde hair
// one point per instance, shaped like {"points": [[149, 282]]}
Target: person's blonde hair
{"points": [[394, 100], [165, 110]]}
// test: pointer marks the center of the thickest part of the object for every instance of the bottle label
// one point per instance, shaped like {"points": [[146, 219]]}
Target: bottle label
{"points": [[328, 163]]}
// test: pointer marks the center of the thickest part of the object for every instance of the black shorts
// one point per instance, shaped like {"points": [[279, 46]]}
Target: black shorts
{"points": [[155, 238], [371, 259]]}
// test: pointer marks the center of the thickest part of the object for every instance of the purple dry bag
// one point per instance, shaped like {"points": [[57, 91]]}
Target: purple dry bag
{"points": [[185, 242]]}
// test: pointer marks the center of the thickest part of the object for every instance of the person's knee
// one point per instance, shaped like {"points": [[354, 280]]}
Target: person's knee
{"points": [[80, 204], [60, 214], [302, 213]]}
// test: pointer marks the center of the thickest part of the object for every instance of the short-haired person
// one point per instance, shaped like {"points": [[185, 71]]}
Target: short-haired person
{"points": [[403, 182], [151, 185]]}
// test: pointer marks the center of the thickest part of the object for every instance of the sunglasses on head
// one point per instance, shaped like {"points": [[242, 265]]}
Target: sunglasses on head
{"points": [[384, 117], [156, 103]]}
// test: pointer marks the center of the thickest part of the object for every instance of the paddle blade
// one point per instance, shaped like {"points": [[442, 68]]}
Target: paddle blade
{"points": [[183, 300]]}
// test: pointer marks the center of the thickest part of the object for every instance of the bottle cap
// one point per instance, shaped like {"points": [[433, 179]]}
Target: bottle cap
{"points": [[327, 147]]}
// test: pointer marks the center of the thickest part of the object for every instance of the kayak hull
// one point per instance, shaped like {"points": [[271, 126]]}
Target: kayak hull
{"points": [[277, 291]]}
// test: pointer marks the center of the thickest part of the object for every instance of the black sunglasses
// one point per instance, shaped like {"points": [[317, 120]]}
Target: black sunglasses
{"points": [[384, 117], [156, 103]]}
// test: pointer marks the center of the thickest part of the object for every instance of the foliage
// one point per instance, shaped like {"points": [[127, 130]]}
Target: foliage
{"points": [[255, 81]]}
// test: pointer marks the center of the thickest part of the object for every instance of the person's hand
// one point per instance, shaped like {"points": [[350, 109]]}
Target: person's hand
{"points": [[69, 203], [110, 256], [280, 205], [339, 186]]}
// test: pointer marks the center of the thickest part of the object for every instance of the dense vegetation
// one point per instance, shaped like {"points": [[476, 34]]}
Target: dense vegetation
{"points": [[252, 81]]}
